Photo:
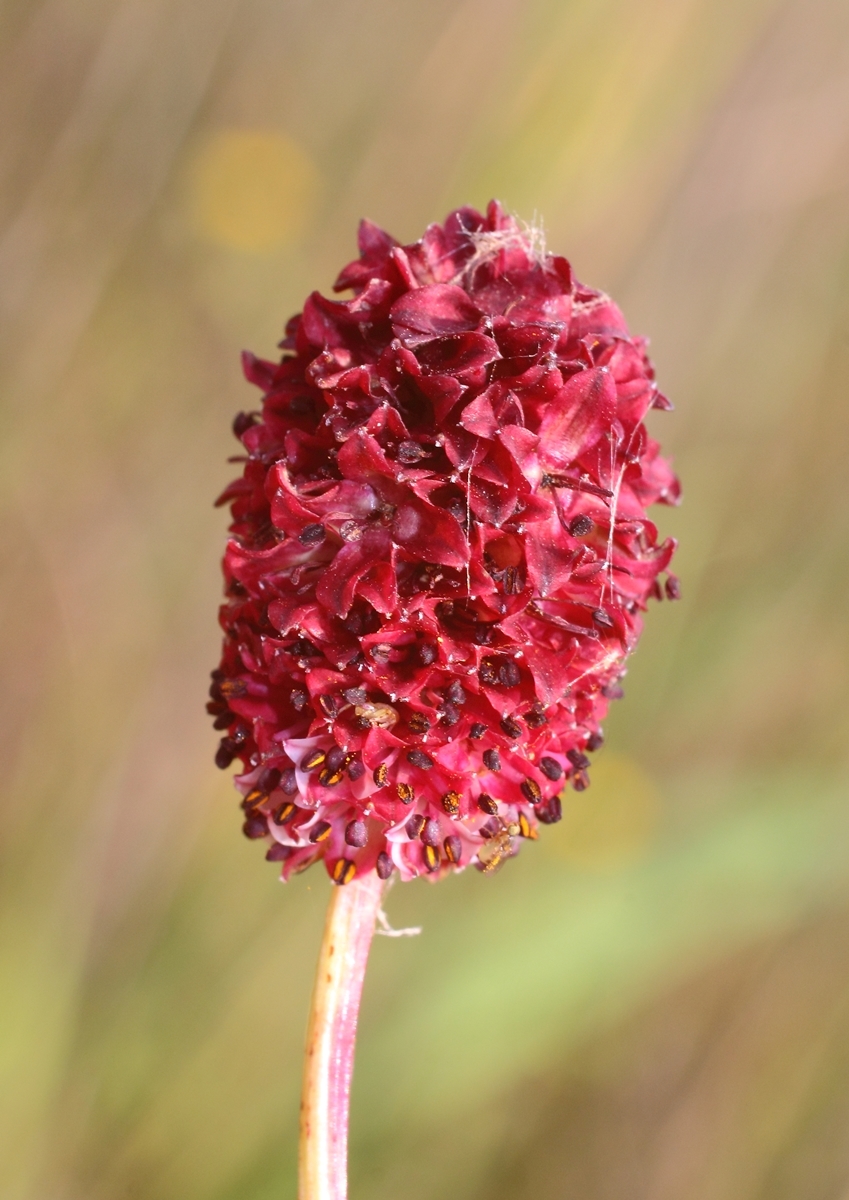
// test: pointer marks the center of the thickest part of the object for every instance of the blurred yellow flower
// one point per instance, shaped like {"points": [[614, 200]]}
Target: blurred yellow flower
{"points": [[612, 822], [251, 189]]}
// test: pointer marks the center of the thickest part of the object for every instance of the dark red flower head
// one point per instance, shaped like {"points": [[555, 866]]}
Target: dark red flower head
{"points": [[439, 553]]}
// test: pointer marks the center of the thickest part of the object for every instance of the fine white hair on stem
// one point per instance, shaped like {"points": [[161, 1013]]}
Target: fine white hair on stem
{"points": [[385, 929]]}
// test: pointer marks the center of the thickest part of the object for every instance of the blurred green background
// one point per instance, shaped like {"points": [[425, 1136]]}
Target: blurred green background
{"points": [[652, 1003]]}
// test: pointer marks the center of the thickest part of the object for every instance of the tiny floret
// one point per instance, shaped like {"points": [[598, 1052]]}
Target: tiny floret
{"points": [[439, 554]]}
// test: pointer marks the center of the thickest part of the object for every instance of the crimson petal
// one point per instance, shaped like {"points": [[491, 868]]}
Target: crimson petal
{"points": [[430, 312]]}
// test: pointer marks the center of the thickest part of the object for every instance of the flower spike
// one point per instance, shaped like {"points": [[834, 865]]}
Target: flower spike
{"points": [[439, 554]]}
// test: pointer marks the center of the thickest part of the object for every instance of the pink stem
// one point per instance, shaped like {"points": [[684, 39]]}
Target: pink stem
{"points": [[331, 1036]]}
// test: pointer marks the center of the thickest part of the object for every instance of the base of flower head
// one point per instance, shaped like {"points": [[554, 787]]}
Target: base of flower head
{"points": [[414, 807]]}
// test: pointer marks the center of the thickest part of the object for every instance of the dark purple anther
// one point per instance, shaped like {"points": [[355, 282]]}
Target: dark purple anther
{"points": [[530, 789], [335, 758], [430, 832], [580, 526], [488, 673], [255, 827], [225, 754], [356, 834], [242, 422], [511, 727], [268, 780], [550, 812], [578, 760], [550, 768], [311, 535], [313, 759], [453, 848], [509, 674], [415, 825], [411, 452], [535, 719]]}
